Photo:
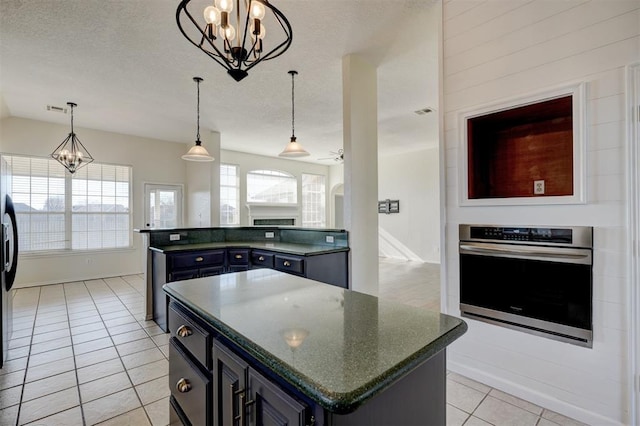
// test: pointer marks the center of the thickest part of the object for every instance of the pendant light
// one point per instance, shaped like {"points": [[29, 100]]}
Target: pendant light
{"points": [[293, 148], [198, 152], [71, 153]]}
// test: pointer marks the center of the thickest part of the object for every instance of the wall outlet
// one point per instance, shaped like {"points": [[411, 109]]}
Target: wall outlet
{"points": [[269, 235], [174, 237], [329, 238], [538, 187]]}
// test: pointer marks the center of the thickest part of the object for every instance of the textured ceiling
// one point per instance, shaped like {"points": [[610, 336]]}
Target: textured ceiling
{"points": [[130, 71]]}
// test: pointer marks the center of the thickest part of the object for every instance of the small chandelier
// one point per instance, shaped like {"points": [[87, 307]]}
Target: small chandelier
{"points": [[238, 48], [71, 153], [293, 148], [198, 152]]}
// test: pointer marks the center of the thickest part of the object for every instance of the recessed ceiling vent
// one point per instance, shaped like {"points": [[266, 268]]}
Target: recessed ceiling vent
{"points": [[424, 111], [56, 109]]}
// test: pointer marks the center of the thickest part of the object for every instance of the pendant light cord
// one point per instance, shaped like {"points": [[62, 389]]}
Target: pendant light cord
{"points": [[198, 131], [71, 105], [293, 108]]}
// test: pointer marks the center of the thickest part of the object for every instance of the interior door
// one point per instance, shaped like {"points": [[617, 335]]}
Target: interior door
{"points": [[163, 206]]}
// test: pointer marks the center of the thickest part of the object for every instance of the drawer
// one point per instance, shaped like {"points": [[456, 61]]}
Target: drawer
{"points": [[289, 264], [260, 259], [238, 256], [183, 275], [196, 259], [211, 270], [192, 336], [190, 387]]}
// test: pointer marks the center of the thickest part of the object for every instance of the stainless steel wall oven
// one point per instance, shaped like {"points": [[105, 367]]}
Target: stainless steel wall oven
{"points": [[535, 279]]}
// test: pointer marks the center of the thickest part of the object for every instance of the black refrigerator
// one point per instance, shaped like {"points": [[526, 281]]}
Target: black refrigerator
{"points": [[8, 257]]}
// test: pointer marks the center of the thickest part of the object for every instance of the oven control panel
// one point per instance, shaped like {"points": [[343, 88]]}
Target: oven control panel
{"points": [[540, 235]]}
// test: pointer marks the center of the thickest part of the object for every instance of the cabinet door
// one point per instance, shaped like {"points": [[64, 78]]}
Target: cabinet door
{"points": [[268, 405], [229, 385]]}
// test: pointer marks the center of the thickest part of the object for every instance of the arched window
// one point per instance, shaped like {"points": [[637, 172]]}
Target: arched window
{"points": [[271, 187]]}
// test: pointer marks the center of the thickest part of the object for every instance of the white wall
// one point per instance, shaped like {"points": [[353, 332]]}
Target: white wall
{"points": [[248, 162], [29, 137], [499, 50], [413, 179]]}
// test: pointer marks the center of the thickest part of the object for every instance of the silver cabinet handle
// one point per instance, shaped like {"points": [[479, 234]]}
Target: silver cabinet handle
{"points": [[261, 258], [199, 259], [238, 256], [184, 331], [286, 263], [183, 385]]}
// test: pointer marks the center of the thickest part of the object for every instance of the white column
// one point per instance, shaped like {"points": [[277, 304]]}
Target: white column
{"points": [[360, 132], [203, 185]]}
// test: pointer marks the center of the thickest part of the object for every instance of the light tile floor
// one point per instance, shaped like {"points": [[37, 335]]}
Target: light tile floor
{"points": [[82, 354]]}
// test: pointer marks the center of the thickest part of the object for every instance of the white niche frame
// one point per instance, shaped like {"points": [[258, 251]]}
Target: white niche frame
{"points": [[578, 93]]}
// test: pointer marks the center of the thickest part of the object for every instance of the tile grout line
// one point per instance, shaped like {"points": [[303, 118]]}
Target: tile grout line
{"points": [[126, 370], [26, 368], [73, 354]]}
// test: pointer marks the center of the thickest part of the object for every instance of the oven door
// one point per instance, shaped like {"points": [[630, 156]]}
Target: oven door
{"points": [[543, 289]]}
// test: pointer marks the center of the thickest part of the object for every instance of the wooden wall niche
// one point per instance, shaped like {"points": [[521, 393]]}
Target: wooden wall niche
{"points": [[508, 149]]}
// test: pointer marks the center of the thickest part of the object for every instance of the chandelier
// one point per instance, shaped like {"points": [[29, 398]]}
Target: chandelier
{"points": [[234, 32], [71, 153]]}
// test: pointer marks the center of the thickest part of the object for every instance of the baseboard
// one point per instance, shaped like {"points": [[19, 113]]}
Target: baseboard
{"points": [[86, 278], [532, 396]]}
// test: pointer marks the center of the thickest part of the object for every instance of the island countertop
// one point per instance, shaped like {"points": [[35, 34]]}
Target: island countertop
{"points": [[336, 346]]}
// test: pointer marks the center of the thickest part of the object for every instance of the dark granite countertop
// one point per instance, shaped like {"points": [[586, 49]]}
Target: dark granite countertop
{"points": [[338, 347], [276, 246]]}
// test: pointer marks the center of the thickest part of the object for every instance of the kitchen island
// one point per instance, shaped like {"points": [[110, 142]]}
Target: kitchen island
{"points": [[265, 347]]}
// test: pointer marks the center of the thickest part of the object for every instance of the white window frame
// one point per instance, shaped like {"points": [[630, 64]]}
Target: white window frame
{"points": [[272, 172], [68, 211], [318, 208], [237, 191]]}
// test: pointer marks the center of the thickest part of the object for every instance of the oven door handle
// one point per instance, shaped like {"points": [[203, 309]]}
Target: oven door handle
{"points": [[552, 254]]}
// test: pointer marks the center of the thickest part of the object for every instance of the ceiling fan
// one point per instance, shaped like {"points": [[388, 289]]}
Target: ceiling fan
{"points": [[335, 155]]}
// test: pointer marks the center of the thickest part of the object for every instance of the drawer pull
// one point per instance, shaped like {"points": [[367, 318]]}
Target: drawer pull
{"points": [[184, 331], [238, 256], [199, 259], [261, 258], [286, 263], [183, 385]]}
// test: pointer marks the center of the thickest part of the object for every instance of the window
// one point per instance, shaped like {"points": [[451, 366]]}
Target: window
{"points": [[313, 201], [229, 195], [56, 210], [270, 186]]}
